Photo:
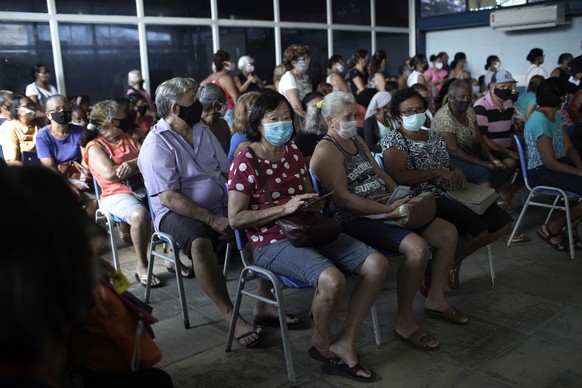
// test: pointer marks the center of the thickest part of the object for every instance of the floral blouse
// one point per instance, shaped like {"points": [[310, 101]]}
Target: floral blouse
{"points": [[444, 121]]}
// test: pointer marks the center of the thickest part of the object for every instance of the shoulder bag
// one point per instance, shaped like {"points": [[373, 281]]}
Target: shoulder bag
{"points": [[302, 228], [476, 197]]}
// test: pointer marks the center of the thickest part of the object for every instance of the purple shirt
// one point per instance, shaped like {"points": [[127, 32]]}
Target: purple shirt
{"points": [[168, 162], [47, 146]]}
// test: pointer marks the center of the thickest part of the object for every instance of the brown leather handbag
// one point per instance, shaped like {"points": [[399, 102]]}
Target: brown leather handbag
{"points": [[303, 228]]}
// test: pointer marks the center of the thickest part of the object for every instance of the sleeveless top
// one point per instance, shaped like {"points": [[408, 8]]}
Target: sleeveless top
{"points": [[360, 175], [229, 100]]}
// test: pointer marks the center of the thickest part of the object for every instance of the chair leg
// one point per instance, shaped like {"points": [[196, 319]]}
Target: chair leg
{"points": [[491, 268], [236, 308], [516, 226], [151, 259], [280, 303], [227, 256], [552, 209], [376, 325], [180, 282], [569, 226]]}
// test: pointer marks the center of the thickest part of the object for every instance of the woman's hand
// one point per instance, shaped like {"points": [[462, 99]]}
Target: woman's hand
{"points": [[298, 201], [393, 212], [455, 178], [125, 169]]}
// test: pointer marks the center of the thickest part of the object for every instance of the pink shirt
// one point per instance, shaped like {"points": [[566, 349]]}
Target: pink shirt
{"points": [[285, 178], [436, 75]]}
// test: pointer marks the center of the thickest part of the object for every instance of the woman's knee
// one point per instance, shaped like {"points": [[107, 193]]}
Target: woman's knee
{"points": [[376, 265], [414, 247], [331, 281], [140, 216], [441, 233]]}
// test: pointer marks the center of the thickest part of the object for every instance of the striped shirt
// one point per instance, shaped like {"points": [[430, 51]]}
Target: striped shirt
{"points": [[493, 122]]}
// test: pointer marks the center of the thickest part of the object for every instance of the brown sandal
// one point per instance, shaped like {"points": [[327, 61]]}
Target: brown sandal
{"points": [[547, 237], [418, 338], [449, 315]]}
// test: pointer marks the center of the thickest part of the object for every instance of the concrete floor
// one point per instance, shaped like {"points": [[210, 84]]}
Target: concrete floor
{"points": [[526, 331]]}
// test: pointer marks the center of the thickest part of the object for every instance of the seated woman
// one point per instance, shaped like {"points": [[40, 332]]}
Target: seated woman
{"points": [[242, 110], [335, 71], [526, 103], [223, 64], [378, 122], [57, 147], [111, 156], [344, 165], [457, 123], [552, 160], [419, 159], [140, 114], [18, 134], [247, 80], [214, 106], [307, 138], [271, 128]]}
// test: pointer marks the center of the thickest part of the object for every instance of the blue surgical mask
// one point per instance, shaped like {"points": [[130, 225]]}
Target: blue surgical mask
{"points": [[302, 65], [414, 122], [278, 133]]}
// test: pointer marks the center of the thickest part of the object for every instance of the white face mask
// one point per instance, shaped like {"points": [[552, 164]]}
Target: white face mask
{"points": [[496, 65], [339, 67], [438, 65], [302, 65], [348, 129]]}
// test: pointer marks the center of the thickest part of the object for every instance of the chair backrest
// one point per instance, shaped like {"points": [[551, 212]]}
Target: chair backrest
{"points": [[97, 191], [1, 153], [520, 142], [320, 191], [380, 161], [30, 158]]}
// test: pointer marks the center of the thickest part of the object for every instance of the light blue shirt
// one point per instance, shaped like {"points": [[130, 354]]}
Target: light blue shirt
{"points": [[538, 125], [168, 162]]}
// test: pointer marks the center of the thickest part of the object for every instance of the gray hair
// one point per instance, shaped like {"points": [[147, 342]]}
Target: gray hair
{"points": [[172, 91], [5, 95], [53, 100], [209, 94], [133, 76], [102, 114], [243, 61], [331, 105], [459, 84]]}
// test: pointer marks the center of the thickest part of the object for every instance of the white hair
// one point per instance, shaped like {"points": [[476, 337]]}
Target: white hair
{"points": [[244, 60], [134, 76]]}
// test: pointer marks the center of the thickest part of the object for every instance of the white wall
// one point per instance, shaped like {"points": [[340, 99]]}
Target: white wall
{"points": [[511, 47]]}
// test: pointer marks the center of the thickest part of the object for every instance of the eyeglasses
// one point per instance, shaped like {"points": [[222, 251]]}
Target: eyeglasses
{"points": [[44, 72], [412, 111], [60, 109]]}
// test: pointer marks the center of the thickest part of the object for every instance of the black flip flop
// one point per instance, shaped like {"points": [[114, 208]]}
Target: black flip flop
{"points": [[318, 356], [274, 322], [190, 275], [345, 371], [253, 343]]}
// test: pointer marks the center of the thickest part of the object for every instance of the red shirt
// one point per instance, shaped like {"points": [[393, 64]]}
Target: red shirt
{"points": [[285, 178]]}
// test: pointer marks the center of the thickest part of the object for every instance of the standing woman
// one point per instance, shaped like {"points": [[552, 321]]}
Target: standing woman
{"points": [[358, 75], [376, 68], [135, 81], [419, 65], [247, 80], [221, 77], [493, 64], [295, 84], [562, 72], [436, 75], [40, 90], [458, 67], [111, 156], [335, 70], [536, 58]]}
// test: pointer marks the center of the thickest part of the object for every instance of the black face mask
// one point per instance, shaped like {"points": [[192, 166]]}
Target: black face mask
{"points": [[425, 67], [502, 94], [513, 97], [460, 106], [142, 110], [62, 117], [125, 125], [191, 114]]}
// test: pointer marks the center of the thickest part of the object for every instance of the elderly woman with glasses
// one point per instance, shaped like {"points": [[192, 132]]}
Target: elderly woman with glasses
{"points": [[111, 156], [344, 165], [214, 105], [19, 134]]}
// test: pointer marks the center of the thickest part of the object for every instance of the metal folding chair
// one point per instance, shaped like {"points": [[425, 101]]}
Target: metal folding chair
{"points": [[556, 192], [380, 161], [109, 221]]}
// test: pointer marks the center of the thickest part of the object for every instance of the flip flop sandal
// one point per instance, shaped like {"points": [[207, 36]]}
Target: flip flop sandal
{"points": [[560, 246], [274, 322], [143, 280], [517, 238], [418, 338], [449, 315], [318, 356], [254, 342], [189, 274], [349, 372]]}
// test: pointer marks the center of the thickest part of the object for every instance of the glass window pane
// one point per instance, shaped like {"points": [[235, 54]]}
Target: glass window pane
{"points": [[24, 6], [97, 57], [22, 46], [396, 47], [312, 11], [259, 43], [97, 7], [351, 12], [317, 42], [248, 9], [392, 13], [178, 51], [441, 7], [192, 9]]}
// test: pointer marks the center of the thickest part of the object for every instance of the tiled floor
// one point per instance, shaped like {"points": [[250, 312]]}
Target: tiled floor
{"points": [[526, 331]]}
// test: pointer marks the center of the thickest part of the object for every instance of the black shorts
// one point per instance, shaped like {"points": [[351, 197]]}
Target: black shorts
{"points": [[185, 230], [467, 221]]}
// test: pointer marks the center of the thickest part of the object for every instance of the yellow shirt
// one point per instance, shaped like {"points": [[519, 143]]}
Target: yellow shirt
{"points": [[16, 137]]}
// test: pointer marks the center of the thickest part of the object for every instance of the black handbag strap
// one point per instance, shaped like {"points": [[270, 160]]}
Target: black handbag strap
{"points": [[260, 176]]}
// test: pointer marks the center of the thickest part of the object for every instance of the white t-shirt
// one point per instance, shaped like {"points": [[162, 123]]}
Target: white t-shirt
{"points": [[288, 81], [488, 77], [535, 70], [42, 94], [413, 78]]}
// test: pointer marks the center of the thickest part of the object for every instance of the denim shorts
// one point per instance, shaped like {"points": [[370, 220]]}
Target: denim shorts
{"points": [[121, 205], [307, 264], [477, 174]]}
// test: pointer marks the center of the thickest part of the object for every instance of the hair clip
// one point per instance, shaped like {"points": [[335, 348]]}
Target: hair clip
{"points": [[319, 104]]}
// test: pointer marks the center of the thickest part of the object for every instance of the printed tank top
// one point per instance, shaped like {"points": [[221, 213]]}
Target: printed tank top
{"points": [[360, 175]]}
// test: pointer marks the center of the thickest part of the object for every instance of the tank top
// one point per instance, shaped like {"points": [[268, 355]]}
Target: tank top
{"points": [[360, 175]]}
